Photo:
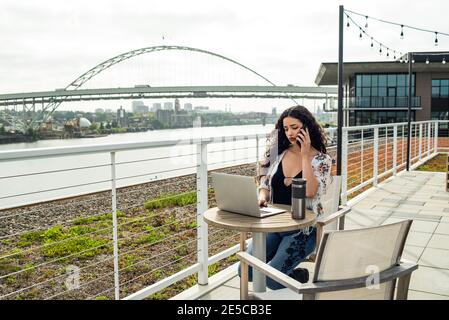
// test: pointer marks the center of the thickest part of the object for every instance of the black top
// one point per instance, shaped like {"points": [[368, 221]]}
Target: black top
{"points": [[281, 193]]}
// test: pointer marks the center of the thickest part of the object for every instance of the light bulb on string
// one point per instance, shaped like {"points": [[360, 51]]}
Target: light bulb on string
{"points": [[394, 54], [427, 60], [413, 59], [366, 24], [436, 38], [402, 31], [360, 36], [372, 44], [380, 49], [347, 18], [444, 61], [388, 54]]}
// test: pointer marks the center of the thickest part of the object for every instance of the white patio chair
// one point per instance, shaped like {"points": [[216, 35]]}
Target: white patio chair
{"points": [[334, 215], [351, 264]]}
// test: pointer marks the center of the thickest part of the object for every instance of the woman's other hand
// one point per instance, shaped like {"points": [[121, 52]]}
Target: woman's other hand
{"points": [[262, 202], [263, 198]]}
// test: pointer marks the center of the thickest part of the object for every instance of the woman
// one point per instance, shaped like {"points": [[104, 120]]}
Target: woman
{"points": [[296, 149]]}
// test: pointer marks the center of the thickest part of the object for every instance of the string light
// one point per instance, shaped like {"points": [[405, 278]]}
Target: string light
{"points": [[361, 31], [381, 45], [437, 33]]}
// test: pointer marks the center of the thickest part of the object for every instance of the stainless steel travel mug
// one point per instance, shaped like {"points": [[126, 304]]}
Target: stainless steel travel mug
{"points": [[298, 198]]}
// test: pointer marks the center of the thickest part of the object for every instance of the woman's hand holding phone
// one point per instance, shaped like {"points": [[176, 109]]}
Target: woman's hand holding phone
{"points": [[303, 140]]}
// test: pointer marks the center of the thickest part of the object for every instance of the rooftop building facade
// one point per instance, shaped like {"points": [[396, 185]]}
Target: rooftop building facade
{"points": [[377, 92]]}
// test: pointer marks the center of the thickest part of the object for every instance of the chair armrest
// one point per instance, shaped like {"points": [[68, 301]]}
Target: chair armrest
{"points": [[342, 211], [269, 271], [398, 271]]}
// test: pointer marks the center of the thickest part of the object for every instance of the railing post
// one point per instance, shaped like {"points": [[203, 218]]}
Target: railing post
{"points": [[429, 131], [257, 151], [202, 206], [344, 166], [420, 141], [376, 155], [114, 227], [386, 149], [435, 146], [361, 157], [395, 149]]}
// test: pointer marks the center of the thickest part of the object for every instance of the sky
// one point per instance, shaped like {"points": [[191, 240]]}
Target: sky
{"points": [[47, 44]]}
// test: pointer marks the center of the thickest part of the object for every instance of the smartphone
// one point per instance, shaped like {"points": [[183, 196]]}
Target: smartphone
{"points": [[297, 139]]}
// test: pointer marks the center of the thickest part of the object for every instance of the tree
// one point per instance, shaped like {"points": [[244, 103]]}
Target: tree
{"points": [[156, 124]]}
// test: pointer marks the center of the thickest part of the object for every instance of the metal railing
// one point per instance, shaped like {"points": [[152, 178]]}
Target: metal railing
{"points": [[128, 215], [371, 153], [118, 221]]}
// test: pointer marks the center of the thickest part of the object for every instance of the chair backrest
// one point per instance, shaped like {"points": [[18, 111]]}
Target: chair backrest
{"points": [[349, 254], [330, 200]]}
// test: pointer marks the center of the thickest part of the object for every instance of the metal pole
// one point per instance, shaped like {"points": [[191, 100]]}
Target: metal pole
{"points": [[340, 91], [435, 146], [395, 149], [114, 228], [376, 156], [344, 175], [409, 110], [202, 205]]}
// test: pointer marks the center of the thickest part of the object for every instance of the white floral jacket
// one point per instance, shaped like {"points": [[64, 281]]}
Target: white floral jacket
{"points": [[321, 166]]}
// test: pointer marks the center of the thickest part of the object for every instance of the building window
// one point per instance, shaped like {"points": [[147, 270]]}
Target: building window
{"points": [[383, 90], [440, 88]]}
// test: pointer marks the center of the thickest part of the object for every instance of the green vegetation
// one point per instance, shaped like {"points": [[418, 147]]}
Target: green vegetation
{"points": [[437, 164], [153, 235], [171, 200], [59, 242], [88, 237], [87, 247], [102, 217]]}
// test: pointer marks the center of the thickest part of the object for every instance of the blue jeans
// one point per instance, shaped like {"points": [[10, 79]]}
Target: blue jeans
{"points": [[285, 250]]}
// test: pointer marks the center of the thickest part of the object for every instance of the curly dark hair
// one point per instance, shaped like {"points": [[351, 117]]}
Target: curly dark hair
{"points": [[316, 132]]}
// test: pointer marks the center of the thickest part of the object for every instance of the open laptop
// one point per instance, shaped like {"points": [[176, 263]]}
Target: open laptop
{"points": [[238, 194]]}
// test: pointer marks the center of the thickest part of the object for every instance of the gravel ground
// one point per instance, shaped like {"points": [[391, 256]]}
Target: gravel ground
{"points": [[45, 215]]}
